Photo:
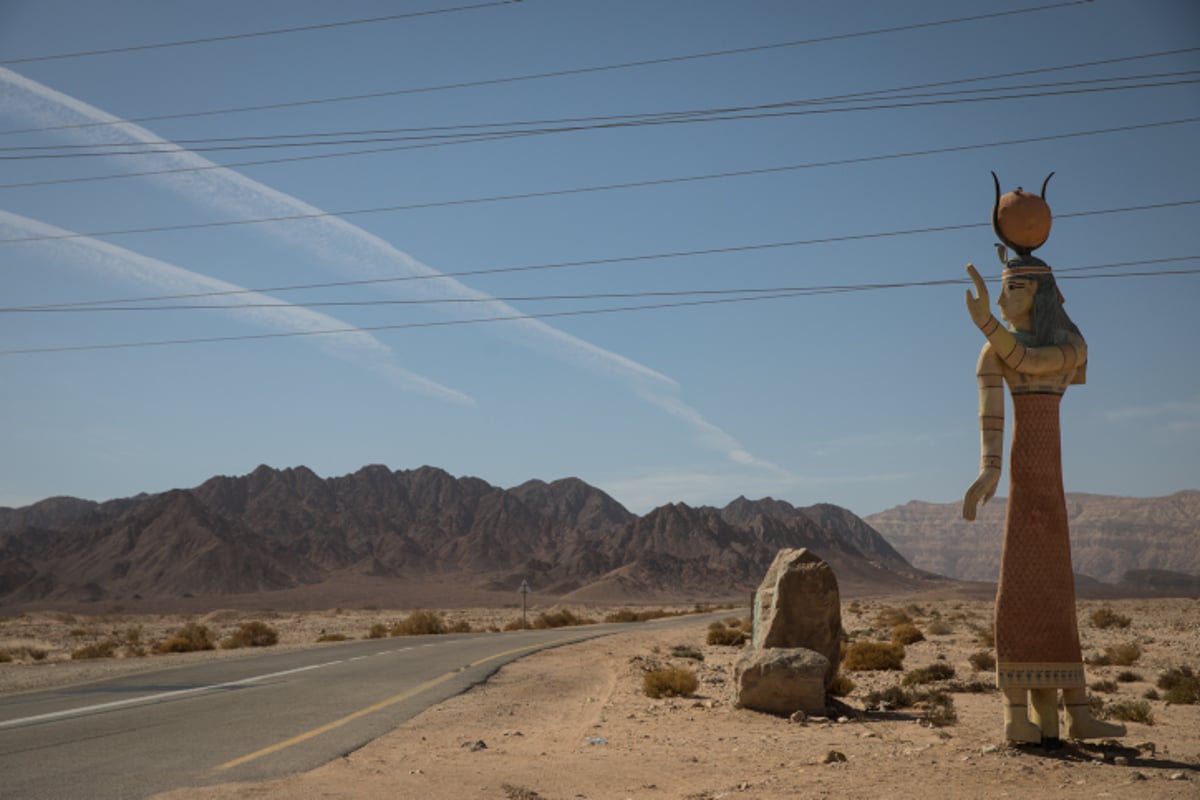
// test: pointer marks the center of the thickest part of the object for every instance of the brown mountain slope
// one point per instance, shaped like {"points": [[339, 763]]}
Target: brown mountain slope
{"points": [[1110, 536], [289, 531]]}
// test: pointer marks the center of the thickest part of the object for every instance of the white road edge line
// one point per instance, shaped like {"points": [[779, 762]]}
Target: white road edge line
{"points": [[70, 712]]}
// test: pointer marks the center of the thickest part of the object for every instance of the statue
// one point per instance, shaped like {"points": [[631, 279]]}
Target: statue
{"points": [[1038, 356]]}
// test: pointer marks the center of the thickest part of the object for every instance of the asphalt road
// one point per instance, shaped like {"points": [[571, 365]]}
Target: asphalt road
{"points": [[247, 719]]}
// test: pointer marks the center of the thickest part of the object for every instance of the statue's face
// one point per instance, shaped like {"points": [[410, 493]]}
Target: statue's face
{"points": [[1016, 299]]}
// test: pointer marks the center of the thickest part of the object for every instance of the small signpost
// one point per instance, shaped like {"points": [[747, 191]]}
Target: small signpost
{"points": [[524, 591]]}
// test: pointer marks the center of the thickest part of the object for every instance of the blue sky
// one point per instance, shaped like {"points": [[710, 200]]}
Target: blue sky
{"points": [[865, 399]]}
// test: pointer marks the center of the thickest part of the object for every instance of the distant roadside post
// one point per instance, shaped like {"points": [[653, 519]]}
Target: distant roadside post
{"points": [[524, 591]]}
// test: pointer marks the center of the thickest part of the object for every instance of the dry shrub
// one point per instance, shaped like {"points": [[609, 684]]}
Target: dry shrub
{"points": [[718, 634], [1103, 686], [867, 656], [189, 638], [1128, 676], [936, 706], [686, 651], [559, 619], [1181, 686], [939, 627], [332, 637], [105, 648], [841, 686], [5, 657], [939, 671], [907, 633], [251, 634], [982, 661], [971, 687], [419, 623], [378, 631], [669, 682], [889, 617], [1107, 618], [1123, 655], [461, 626], [986, 636], [1132, 711]]}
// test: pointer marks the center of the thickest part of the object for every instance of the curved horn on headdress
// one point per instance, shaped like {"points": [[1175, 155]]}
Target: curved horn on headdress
{"points": [[1048, 177], [996, 220]]}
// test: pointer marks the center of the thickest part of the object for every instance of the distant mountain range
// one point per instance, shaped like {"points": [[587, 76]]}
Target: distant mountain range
{"points": [[378, 532], [1130, 540]]}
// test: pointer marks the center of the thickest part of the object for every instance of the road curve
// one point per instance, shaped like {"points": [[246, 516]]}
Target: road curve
{"points": [[248, 719]]}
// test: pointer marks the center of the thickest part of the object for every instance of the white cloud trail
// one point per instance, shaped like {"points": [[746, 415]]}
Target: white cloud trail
{"points": [[133, 268], [350, 248]]}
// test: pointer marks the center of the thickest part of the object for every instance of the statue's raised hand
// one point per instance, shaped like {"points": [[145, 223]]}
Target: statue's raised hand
{"points": [[978, 304]]}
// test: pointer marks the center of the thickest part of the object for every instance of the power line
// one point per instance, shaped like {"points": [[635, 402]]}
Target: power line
{"points": [[597, 188], [256, 34], [458, 134], [546, 315], [574, 71], [1062, 273]]}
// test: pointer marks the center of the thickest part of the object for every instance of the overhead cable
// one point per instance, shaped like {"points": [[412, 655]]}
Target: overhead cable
{"points": [[575, 71]]}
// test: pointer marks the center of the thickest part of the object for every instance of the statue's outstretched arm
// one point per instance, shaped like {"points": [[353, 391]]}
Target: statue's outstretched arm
{"points": [[990, 377]]}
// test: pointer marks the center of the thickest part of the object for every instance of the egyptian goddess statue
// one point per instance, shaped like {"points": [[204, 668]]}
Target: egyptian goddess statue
{"points": [[1037, 355]]}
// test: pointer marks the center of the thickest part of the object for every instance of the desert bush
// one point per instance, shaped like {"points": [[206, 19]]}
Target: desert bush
{"points": [[419, 623], [105, 648], [1123, 655], [1103, 686], [907, 633], [461, 626], [332, 637], [5, 657], [251, 634], [889, 698], [937, 708], [939, 671], [1180, 685], [841, 686], [971, 687], [939, 627], [669, 682], [866, 656], [623, 615], [1107, 618], [189, 638], [1132, 711], [1128, 676], [559, 619], [889, 617], [686, 651], [517, 625], [718, 634], [378, 631], [35, 653], [986, 636], [982, 661], [1151, 694]]}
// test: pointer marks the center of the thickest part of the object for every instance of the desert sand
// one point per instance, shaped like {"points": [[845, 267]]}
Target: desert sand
{"points": [[574, 723]]}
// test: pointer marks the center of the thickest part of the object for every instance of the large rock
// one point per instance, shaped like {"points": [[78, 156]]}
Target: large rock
{"points": [[797, 605], [781, 681]]}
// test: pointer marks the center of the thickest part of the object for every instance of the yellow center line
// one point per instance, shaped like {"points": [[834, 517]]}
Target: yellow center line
{"points": [[337, 723]]}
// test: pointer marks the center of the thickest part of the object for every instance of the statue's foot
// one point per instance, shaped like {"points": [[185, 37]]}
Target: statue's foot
{"points": [[1082, 725], [1022, 730]]}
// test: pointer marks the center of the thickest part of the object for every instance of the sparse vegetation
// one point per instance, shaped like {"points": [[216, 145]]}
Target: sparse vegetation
{"points": [[1107, 618], [1103, 686], [686, 651], [982, 661], [1123, 655], [1128, 676], [889, 617], [251, 634], [986, 636], [939, 627], [720, 634], [669, 682], [939, 671], [1181, 686], [841, 686], [868, 656], [190, 638], [105, 648], [378, 631], [936, 705], [560, 619], [332, 637], [420, 623], [906, 633], [1132, 711]]}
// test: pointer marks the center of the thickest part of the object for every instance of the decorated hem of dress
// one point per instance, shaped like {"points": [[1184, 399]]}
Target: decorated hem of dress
{"points": [[1041, 675]]}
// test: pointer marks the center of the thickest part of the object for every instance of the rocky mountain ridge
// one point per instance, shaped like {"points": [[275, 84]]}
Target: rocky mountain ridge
{"points": [[1110, 536], [280, 530]]}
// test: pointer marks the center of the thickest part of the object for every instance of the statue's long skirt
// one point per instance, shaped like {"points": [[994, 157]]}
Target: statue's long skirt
{"points": [[1037, 635]]}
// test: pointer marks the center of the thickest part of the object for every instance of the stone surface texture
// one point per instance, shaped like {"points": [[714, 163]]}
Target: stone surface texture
{"points": [[798, 605], [781, 680]]}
